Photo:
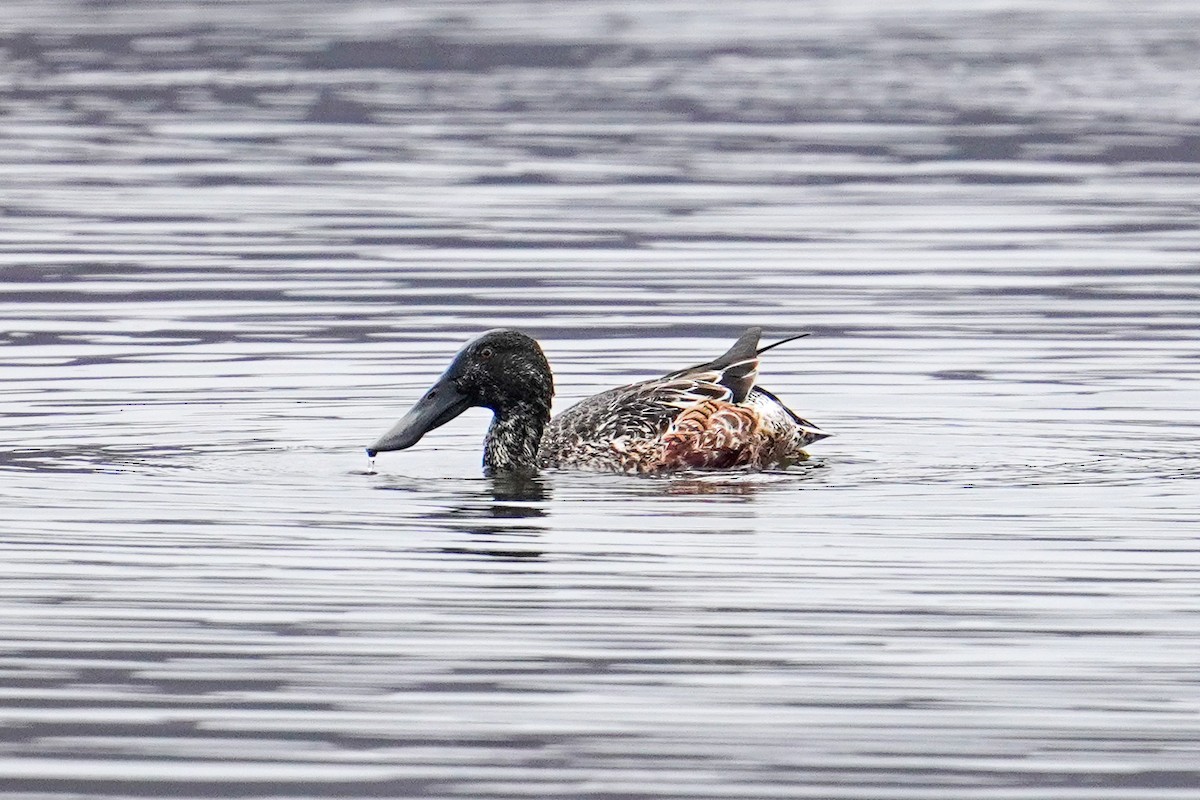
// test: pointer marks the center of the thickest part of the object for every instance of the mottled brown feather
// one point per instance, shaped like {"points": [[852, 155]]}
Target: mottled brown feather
{"points": [[711, 435], [710, 416]]}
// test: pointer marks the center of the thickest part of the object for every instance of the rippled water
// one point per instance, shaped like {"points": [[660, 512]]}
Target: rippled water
{"points": [[237, 240]]}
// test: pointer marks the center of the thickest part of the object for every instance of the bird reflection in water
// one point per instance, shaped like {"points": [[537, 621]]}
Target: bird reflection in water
{"points": [[745, 484], [494, 518]]}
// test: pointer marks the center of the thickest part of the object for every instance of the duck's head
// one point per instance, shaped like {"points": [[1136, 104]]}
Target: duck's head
{"points": [[503, 370]]}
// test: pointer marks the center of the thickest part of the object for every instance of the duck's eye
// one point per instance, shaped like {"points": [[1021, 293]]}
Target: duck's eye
{"points": [[485, 353]]}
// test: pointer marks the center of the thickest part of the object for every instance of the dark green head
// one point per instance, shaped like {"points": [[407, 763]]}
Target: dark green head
{"points": [[503, 370]]}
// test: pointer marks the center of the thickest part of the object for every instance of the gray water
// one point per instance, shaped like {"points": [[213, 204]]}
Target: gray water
{"points": [[238, 239]]}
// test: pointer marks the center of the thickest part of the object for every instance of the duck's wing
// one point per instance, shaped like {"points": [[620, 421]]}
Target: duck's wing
{"points": [[736, 369], [656, 426], [648, 408], [708, 416], [643, 410]]}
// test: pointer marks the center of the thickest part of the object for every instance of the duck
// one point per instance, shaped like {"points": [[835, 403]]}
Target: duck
{"points": [[712, 416]]}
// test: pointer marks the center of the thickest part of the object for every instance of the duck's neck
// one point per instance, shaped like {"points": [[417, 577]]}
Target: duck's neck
{"points": [[512, 440]]}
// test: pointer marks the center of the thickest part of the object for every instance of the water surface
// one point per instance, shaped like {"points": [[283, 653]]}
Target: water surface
{"points": [[238, 240]]}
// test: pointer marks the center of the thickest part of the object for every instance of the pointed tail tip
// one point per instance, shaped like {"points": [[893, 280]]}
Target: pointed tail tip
{"points": [[814, 434], [773, 345]]}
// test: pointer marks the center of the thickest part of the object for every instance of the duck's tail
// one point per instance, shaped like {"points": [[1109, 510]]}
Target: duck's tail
{"points": [[762, 350]]}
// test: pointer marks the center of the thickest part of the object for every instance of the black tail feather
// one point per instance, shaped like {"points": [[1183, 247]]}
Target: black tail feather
{"points": [[762, 350]]}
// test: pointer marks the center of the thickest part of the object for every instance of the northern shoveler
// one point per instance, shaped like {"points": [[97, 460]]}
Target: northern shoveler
{"points": [[710, 416]]}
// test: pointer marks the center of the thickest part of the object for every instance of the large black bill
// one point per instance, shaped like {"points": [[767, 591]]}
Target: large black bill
{"points": [[442, 403]]}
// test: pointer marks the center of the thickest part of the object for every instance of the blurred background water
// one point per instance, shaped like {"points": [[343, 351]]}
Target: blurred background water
{"points": [[238, 239]]}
